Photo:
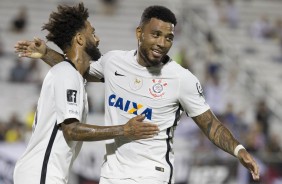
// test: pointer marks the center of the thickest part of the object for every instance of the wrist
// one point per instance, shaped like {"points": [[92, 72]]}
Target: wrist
{"points": [[45, 52], [237, 149]]}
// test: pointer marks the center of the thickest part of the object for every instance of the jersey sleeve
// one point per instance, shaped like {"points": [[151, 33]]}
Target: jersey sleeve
{"points": [[67, 96], [191, 95], [97, 67]]}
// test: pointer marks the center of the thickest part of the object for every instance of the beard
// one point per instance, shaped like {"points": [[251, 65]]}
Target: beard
{"points": [[93, 51], [144, 54]]}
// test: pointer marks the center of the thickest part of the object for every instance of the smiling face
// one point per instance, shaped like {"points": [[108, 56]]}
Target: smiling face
{"points": [[155, 38]]}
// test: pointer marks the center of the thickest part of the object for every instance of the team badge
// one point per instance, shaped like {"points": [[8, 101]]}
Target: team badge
{"points": [[157, 90], [136, 83]]}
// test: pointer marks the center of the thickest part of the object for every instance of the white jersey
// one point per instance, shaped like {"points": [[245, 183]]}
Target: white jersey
{"points": [[49, 156], [159, 93]]}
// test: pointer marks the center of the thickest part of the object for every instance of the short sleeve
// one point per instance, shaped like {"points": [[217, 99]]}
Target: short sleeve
{"points": [[191, 95], [97, 68], [67, 92]]}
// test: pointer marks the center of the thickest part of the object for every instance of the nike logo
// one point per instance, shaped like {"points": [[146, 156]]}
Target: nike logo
{"points": [[117, 74]]}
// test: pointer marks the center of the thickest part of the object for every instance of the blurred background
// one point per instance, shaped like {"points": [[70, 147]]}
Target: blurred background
{"points": [[232, 46]]}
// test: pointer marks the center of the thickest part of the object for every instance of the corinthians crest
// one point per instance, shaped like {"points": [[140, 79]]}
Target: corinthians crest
{"points": [[157, 90]]}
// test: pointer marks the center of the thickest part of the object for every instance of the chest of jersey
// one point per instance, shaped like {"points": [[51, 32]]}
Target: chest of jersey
{"points": [[132, 90]]}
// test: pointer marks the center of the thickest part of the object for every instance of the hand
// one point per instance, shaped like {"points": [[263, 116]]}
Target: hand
{"points": [[247, 160], [136, 129], [33, 49]]}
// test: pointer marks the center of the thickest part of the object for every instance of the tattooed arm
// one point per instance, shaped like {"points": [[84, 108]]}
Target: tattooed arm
{"points": [[216, 132], [73, 130], [222, 138]]}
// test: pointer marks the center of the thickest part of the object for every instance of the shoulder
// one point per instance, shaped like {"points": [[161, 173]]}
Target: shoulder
{"points": [[182, 73], [63, 70], [118, 54]]}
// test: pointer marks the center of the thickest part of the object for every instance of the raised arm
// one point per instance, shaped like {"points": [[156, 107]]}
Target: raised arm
{"points": [[223, 138], [39, 50], [133, 129]]}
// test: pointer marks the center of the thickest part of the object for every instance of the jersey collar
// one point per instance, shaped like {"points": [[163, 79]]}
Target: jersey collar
{"points": [[69, 61]]}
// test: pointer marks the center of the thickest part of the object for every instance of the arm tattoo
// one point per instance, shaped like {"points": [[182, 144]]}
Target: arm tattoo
{"points": [[216, 131], [86, 132]]}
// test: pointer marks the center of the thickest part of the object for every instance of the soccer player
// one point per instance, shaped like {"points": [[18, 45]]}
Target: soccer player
{"points": [[147, 81], [59, 126]]}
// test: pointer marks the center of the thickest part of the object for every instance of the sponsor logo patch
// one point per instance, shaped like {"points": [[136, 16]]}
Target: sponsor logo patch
{"points": [[71, 96]]}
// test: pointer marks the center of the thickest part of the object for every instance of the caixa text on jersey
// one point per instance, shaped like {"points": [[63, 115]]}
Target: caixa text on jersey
{"points": [[129, 106]]}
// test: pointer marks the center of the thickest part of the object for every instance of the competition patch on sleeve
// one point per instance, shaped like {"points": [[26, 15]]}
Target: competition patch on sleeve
{"points": [[200, 89], [71, 96]]}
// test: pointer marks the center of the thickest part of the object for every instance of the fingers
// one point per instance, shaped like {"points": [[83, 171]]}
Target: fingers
{"points": [[247, 160], [150, 127], [255, 171], [22, 46], [255, 176], [140, 117]]}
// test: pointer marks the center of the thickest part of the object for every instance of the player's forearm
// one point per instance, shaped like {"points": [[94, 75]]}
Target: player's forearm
{"points": [[216, 132], [86, 132], [52, 57]]}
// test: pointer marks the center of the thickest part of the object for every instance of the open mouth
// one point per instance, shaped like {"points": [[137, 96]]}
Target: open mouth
{"points": [[157, 53]]}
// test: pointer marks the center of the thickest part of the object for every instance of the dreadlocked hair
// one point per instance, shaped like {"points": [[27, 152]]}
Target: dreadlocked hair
{"points": [[65, 23]]}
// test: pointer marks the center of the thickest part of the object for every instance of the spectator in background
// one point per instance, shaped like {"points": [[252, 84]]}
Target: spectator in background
{"points": [[15, 129], [273, 145], [2, 131], [181, 58], [230, 118], [278, 30], [261, 29], [20, 21], [214, 92], [34, 72], [255, 140], [262, 117], [19, 72], [216, 13], [232, 14], [109, 6], [1, 47]]}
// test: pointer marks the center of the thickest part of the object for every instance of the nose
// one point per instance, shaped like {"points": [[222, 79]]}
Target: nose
{"points": [[97, 40], [161, 42]]}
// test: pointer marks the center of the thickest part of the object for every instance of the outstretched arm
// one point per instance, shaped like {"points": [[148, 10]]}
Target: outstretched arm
{"points": [[222, 138], [39, 50], [133, 129]]}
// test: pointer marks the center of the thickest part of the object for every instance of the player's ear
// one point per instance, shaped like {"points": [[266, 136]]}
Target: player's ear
{"points": [[138, 33], [79, 38]]}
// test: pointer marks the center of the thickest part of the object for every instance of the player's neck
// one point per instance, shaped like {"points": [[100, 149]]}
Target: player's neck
{"points": [[80, 60]]}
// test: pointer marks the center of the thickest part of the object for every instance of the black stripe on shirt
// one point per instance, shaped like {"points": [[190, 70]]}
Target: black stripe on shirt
{"points": [[47, 154], [177, 117]]}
